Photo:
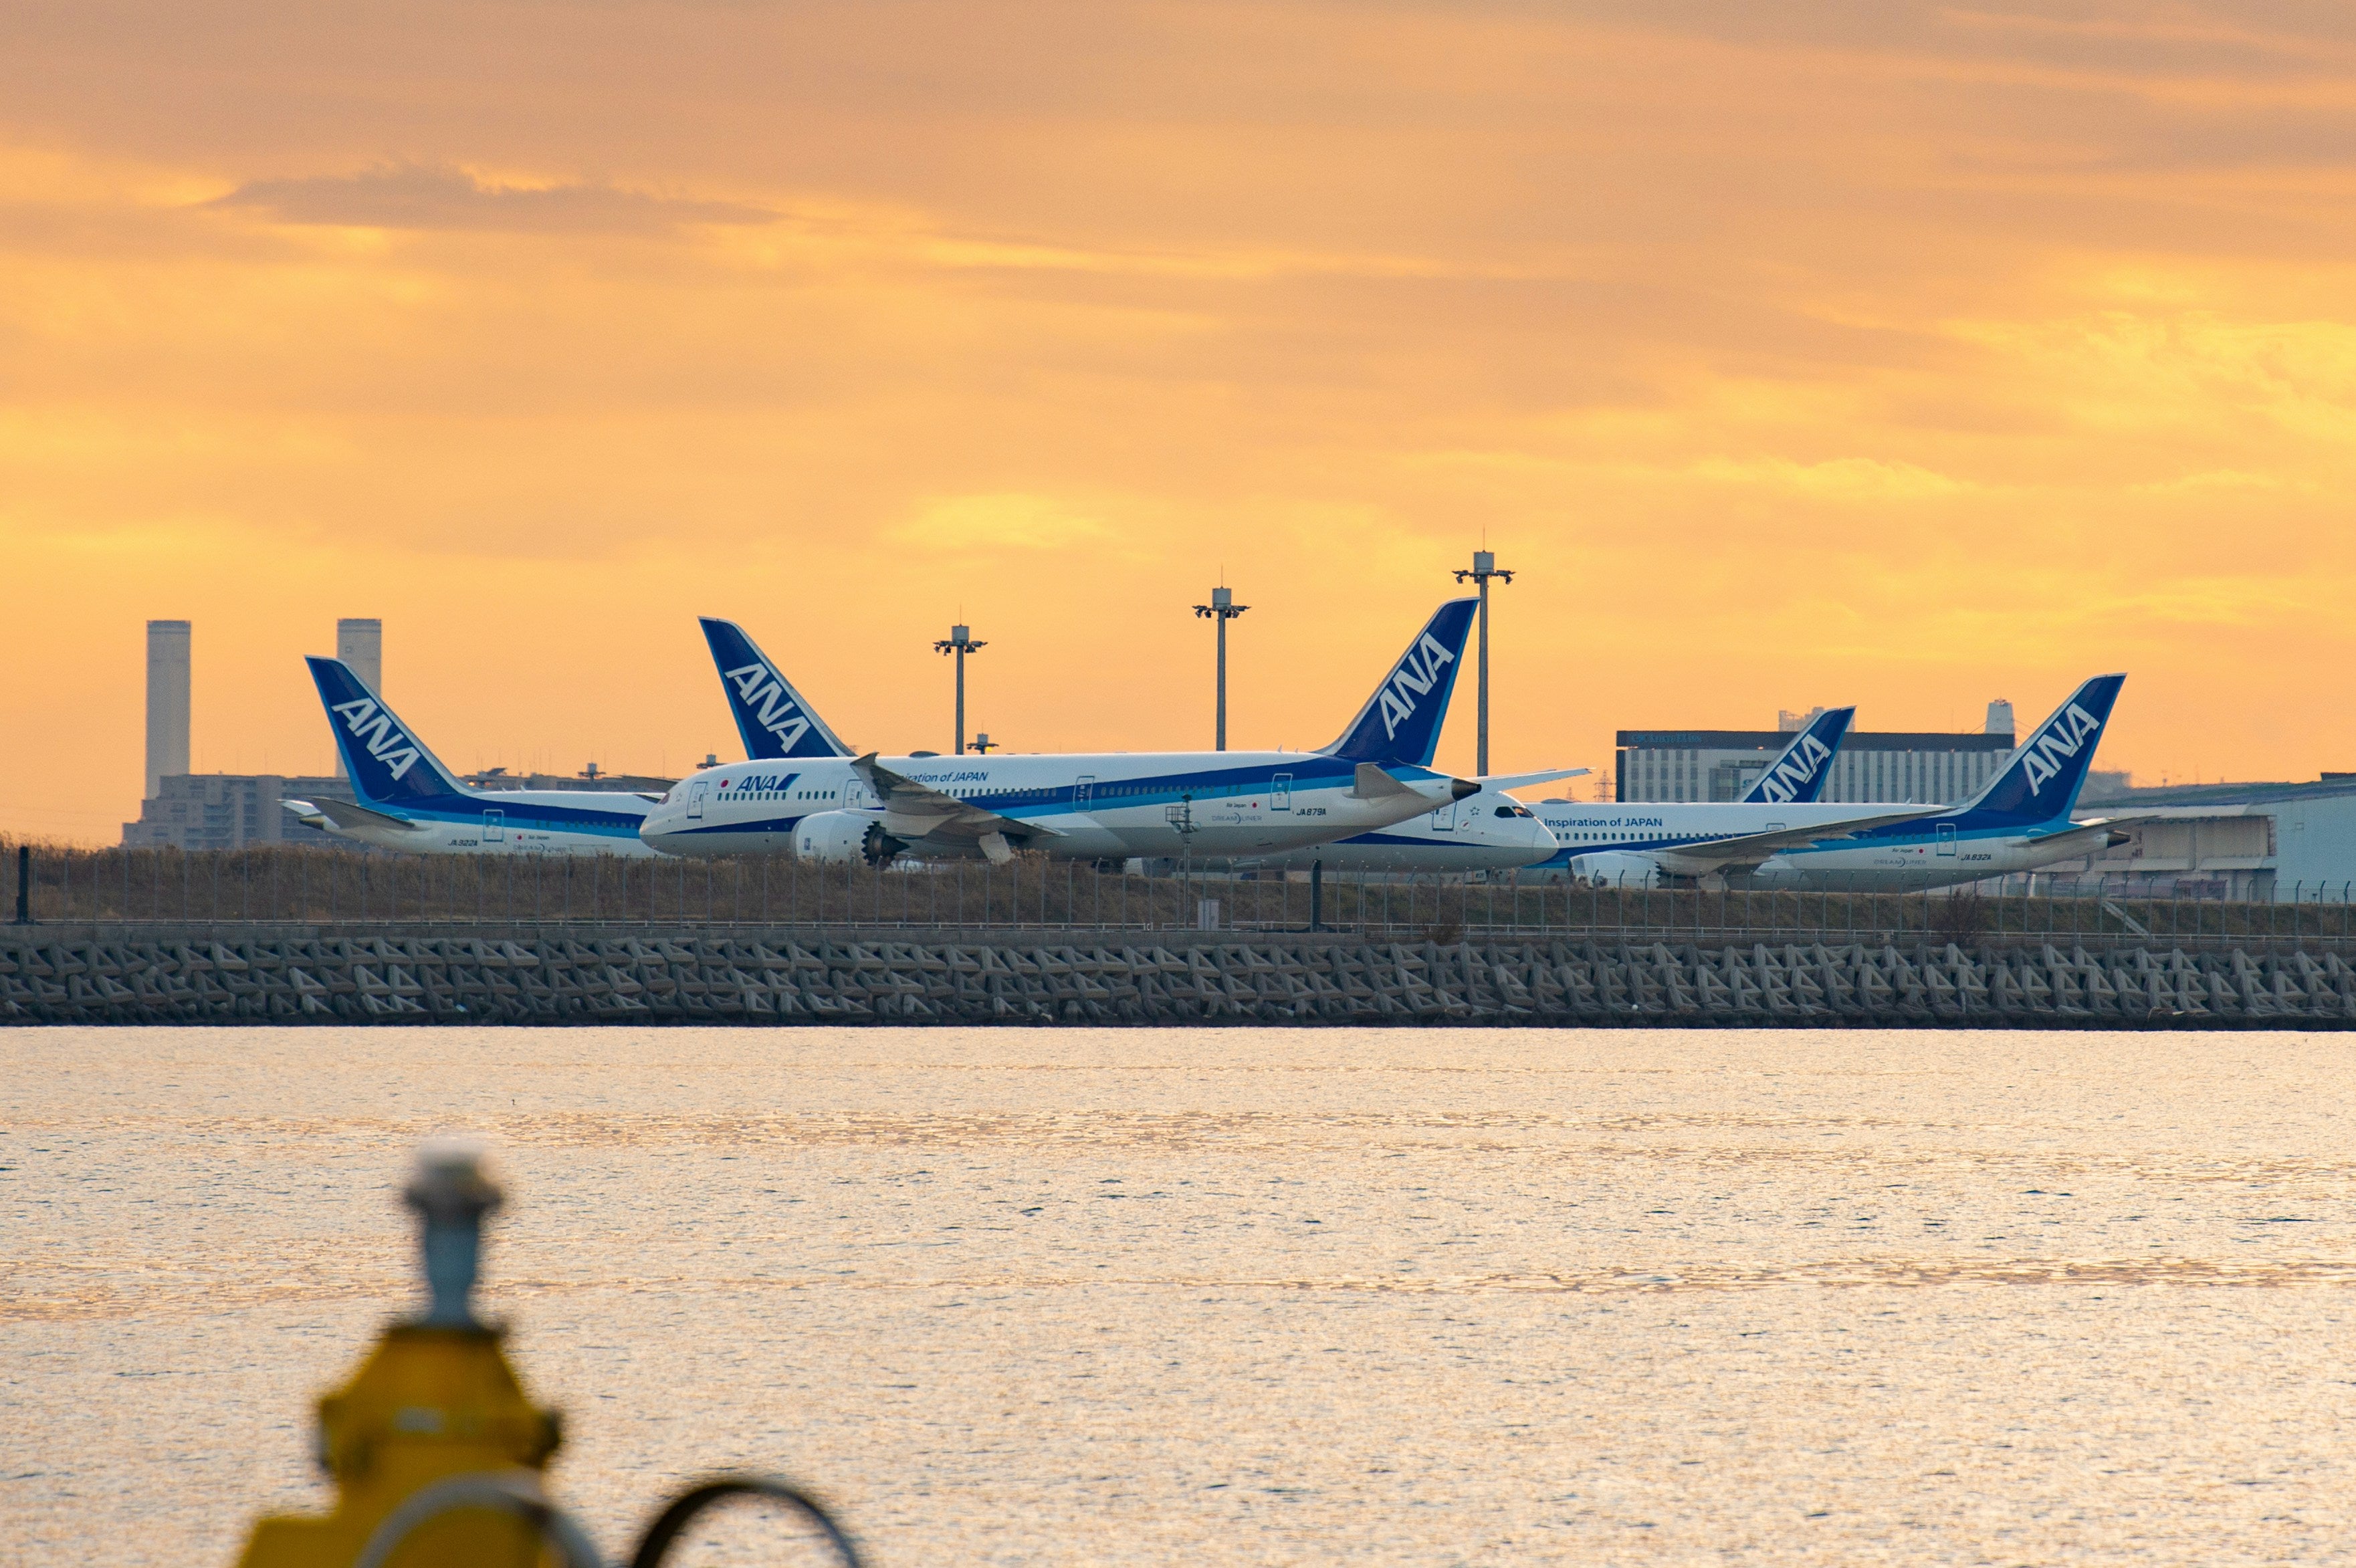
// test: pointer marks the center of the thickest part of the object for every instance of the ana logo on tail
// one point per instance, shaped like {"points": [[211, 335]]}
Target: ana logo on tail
{"points": [[373, 727], [1412, 680], [2061, 738], [765, 701], [1799, 767]]}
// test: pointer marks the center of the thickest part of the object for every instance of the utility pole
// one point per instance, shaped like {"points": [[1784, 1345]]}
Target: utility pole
{"points": [[959, 643], [1222, 609], [1485, 567]]}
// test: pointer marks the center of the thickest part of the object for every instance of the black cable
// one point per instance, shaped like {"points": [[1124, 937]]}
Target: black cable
{"points": [[655, 1545]]}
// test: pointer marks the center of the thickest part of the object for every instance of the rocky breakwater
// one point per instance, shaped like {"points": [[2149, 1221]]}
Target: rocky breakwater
{"points": [[100, 977]]}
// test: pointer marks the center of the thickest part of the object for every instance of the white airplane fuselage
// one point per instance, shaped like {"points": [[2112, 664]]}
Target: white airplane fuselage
{"points": [[496, 821], [1935, 850], [1102, 805], [1490, 831]]}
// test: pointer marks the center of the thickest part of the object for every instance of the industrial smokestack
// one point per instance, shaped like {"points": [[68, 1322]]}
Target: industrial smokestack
{"points": [[167, 702], [361, 645]]}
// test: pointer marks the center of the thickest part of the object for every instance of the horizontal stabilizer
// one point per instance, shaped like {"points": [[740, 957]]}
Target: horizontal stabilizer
{"points": [[2063, 830], [2090, 836], [346, 814], [1372, 783]]}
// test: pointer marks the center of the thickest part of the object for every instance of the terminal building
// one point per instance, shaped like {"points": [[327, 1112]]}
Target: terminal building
{"points": [[182, 810], [1902, 767]]}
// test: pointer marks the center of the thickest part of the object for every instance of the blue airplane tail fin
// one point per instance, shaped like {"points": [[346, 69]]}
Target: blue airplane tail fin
{"points": [[2040, 782], [770, 715], [1400, 722], [386, 761], [1800, 774]]}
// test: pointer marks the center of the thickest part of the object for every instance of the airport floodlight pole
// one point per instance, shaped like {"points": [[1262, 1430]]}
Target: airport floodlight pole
{"points": [[982, 742], [1485, 567], [1222, 609], [959, 642]]}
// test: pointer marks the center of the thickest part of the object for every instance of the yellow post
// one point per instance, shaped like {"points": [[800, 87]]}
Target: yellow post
{"points": [[435, 1400]]}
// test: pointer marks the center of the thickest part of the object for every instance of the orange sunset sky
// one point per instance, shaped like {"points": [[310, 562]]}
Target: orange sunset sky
{"points": [[1902, 356]]}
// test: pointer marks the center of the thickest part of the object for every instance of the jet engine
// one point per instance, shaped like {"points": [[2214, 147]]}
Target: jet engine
{"points": [[1618, 869], [839, 838]]}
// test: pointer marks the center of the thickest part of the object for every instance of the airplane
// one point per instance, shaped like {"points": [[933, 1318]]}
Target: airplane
{"points": [[1091, 805], [1796, 776], [409, 800], [1483, 832], [2019, 821], [1488, 833]]}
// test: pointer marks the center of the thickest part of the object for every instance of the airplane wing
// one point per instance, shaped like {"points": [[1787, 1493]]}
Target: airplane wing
{"points": [[913, 812], [1519, 781], [1746, 850], [346, 814]]}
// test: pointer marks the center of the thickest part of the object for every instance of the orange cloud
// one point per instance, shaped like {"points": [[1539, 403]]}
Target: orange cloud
{"points": [[1906, 358]]}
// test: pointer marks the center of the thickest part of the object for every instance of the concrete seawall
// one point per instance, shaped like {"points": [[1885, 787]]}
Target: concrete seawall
{"points": [[533, 975]]}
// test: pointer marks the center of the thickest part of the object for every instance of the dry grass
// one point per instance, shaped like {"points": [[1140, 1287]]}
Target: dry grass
{"points": [[310, 885]]}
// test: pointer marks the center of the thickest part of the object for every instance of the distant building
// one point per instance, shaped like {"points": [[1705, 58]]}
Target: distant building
{"points": [[228, 811], [1925, 767], [2104, 785], [588, 778]]}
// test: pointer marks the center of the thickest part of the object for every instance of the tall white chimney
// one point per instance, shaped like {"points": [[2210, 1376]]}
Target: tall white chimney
{"points": [[167, 701], [361, 645]]}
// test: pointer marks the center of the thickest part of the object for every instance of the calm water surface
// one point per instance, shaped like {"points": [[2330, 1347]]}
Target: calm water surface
{"points": [[1065, 1297]]}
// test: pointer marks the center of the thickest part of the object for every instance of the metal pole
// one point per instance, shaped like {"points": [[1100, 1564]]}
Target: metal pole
{"points": [[25, 883], [1481, 749], [1219, 732], [1222, 609], [1316, 895], [957, 644], [1485, 567]]}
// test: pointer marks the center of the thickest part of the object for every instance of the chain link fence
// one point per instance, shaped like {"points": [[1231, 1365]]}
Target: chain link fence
{"points": [[277, 885]]}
